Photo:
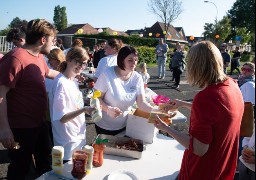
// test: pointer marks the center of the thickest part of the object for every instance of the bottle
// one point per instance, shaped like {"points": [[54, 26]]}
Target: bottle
{"points": [[98, 147], [90, 65], [98, 154], [57, 159], [94, 102], [79, 159], [89, 152]]}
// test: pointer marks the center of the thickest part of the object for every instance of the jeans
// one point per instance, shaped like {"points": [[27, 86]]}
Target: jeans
{"points": [[34, 141], [161, 61]]}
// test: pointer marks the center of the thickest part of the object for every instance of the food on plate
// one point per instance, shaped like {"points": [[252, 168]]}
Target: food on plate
{"points": [[131, 144], [167, 107], [165, 117]]}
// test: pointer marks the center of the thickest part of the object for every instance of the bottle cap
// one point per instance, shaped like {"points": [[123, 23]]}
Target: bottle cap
{"points": [[96, 94]]}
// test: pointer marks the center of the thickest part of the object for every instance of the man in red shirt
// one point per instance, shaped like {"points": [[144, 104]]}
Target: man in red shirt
{"points": [[24, 101], [216, 114]]}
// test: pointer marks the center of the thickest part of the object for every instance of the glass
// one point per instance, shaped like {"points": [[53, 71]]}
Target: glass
{"points": [[81, 63], [246, 70]]}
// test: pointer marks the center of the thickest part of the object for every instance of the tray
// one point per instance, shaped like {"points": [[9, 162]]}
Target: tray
{"points": [[115, 146]]}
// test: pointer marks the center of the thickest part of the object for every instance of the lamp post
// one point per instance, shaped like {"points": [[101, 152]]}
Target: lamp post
{"points": [[215, 7]]}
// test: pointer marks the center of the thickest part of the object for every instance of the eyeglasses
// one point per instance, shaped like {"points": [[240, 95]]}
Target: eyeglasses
{"points": [[81, 63], [246, 70]]}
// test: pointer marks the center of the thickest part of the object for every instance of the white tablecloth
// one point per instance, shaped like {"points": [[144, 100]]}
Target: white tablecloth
{"points": [[160, 161]]}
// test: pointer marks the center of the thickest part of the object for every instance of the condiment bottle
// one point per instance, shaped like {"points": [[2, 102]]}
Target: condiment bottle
{"points": [[90, 65], [57, 159], [79, 159], [98, 152], [94, 102], [89, 152]]}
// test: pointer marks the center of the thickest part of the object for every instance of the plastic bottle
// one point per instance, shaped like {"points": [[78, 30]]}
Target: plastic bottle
{"points": [[96, 114], [98, 152], [90, 65], [79, 159], [57, 159], [89, 151]]}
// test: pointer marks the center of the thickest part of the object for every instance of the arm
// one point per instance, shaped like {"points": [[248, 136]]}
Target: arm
{"points": [[71, 115], [199, 148], [52, 74], [113, 112], [6, 136]]}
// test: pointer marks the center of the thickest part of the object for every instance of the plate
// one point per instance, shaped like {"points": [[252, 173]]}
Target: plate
{"points": [[122, 175]]}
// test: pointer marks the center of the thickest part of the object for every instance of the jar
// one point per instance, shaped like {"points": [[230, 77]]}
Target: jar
{"points": [[98, 154], [79, 159]]}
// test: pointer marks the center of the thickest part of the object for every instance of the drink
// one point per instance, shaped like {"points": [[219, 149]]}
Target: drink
{"points": [[57, 159], [79, 159]]}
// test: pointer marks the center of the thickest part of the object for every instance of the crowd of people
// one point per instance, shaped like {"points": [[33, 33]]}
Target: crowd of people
{"points": [[41, 105]]}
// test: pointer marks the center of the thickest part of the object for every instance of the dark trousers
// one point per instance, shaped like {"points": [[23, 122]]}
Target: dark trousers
{"points": [[34, 141], [176, 75], [99, 130]]}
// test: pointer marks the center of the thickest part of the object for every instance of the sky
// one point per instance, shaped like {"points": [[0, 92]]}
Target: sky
{"points": [[119, 15]]}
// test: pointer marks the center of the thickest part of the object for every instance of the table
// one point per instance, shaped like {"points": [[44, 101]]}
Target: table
{"points": [[161, 160]]}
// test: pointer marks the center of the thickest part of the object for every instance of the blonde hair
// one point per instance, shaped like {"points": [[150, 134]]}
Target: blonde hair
{"points": [[77, 42], [143, 68], [205, 65], [57, 54], [75, 53]]}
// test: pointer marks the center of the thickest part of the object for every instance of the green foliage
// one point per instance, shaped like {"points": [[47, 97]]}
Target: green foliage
{"points": [[132, 40], [146, 54], [18, 23], [242, 15], [246, 57], [221, 28], [4, 31], [60, 18]]}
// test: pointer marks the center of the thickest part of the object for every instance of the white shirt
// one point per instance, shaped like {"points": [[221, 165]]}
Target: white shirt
{"points": [[248, 92], [104, 63], [118, 93], [65, 97]]}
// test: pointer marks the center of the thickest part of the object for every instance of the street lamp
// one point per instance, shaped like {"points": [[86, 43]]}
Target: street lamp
{"points": [[215, 7]]}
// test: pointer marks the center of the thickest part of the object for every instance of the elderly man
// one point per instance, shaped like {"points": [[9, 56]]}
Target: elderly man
{"points": [[161, 53]]}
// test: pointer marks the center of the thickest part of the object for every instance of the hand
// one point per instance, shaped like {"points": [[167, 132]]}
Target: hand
{"points": [[248, 155], [88, 110], [114, 112], [170, 106], [159, 124], [80, 78], [6, 138]]}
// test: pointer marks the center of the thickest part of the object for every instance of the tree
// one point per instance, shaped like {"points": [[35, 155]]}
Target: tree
{"points": [[167, 10], [242, 15], [221, 29], [60, 17], [18, 23]]}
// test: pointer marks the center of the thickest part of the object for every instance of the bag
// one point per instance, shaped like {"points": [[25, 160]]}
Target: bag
{"points": [[246, 128]]}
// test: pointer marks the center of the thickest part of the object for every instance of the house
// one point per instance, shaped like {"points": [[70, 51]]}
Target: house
{"points": [[67, 34], [172, 35]]}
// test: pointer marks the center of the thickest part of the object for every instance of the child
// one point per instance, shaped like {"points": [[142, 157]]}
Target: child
{"points": [[144, 74]]}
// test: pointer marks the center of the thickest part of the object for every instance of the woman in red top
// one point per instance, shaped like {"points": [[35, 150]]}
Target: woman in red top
{"points": [[216, 113]]}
